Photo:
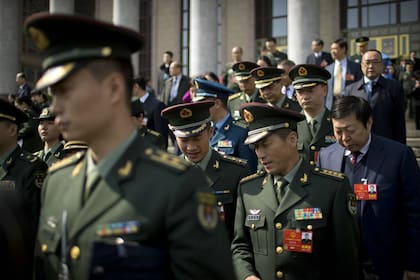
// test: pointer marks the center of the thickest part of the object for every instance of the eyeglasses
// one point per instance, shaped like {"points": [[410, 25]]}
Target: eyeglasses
{"points": [[371, 62]]}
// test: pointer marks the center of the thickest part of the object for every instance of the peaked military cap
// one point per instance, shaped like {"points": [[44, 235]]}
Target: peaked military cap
{"points": [[137, 107], [10, 112], [264, 118], [46, 114], [188, 119], [308, 75], [69, 41], [362, 40], [211, 89], [265, 76], [243, 69]]}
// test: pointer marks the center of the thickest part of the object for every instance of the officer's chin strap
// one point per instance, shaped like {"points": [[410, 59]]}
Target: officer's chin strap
{"points": [[64, 273]]}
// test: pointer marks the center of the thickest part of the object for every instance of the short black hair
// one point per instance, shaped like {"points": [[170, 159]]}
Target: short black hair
{"points": [[344, 106], [140, 81], [319, 42], [342, 43], [171, 54], [271, 39]]}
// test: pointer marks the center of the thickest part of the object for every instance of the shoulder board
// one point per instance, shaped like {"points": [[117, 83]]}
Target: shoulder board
{"points": [[28, 157], [241, 124], [234, 160], [167, 159], [38, 153], [329, 173], [66, 161], [153, 132], [234, 96], [258, 174]]}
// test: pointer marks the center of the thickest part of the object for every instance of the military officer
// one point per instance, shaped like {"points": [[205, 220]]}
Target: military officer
{"points": [[20, 171], [315, 132], [191, 125], [362, 44], [228, 137], [246, 84], [151, 136], [51, 136], [268, 81], [279, 206], [123, 209]]}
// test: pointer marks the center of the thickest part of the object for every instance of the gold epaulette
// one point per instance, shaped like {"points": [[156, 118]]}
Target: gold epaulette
{"points": [[66, 161], [166, 159], [329, 173], [236, 160], [234, 96], [259, 173], [153, 132]]}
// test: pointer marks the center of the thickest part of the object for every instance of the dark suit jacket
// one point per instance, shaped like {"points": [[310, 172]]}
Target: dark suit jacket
{"points": [[390, 226], [168, 199], [25, 90], [184, 85], [388, 107], [325, 56], [353, 74], [224, 173], [152, 108]]}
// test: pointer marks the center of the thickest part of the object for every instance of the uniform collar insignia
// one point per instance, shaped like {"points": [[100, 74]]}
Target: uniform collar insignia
{"points": [[264, 181], [304, 179], [216, 164], [126, 169], [227, 127], [77, 169]]}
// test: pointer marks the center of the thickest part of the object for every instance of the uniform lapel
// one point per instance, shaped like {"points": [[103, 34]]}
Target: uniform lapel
{"points": [[303, 132], [268, 195], [296, 191], [108, 191], [324, 128], [375, 161], [9, 162], [213, 168]]}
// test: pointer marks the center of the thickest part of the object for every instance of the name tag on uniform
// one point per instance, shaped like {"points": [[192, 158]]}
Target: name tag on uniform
{"points": [[254, 215], [127, 227], [224, 144], [308, 214], [366, 191], [297, 241]]}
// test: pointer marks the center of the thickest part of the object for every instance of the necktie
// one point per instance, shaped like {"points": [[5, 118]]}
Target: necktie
{"points": [[369, 90], [337, 79], [91, 180], [353, 157], [281, 187], [173, 90], [313, 127], [47, 156]]}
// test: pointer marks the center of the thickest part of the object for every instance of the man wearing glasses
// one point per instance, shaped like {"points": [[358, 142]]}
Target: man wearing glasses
{"points": [[383, 95]]}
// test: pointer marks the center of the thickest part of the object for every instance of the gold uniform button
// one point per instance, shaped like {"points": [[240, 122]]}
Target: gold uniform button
{"points": [[313, 148], [279, 249], [253, 226], [279, 225], [309, 227], [74, 252], [312, 162], [44, 248], [279, 274], [219, 203]]}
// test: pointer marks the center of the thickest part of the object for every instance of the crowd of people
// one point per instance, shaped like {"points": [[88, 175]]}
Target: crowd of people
{"points": [[271, 171]]}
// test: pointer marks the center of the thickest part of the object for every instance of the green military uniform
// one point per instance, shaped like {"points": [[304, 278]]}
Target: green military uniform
{"points": [[310, 145], [52, 156], [312, 139], [139, 213], [223, 172], [269, 231], [242, 72], [73, 147]]}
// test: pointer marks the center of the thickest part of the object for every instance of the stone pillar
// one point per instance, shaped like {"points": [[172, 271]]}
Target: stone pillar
{"points": [[203, 36], [62, 6], [126, 13], [330, 25], [303, 19], [10, 33]]}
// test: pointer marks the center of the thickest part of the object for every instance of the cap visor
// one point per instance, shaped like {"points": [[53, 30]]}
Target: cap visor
{"points": [[256, 137], [55, 74], [263, 85], [191, 131]]}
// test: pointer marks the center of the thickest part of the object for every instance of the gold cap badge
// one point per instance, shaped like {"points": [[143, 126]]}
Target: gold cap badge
{"points": [[248, 117], [302, 71], [185, 113], [260, 73]]}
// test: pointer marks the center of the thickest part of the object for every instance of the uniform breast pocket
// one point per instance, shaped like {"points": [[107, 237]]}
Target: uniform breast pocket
{"points": [[318, 238], [258, 232], [48, 237]]}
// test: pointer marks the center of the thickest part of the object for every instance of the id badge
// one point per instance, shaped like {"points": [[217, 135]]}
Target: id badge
{"points": [[297, 241], [366, 191]]}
